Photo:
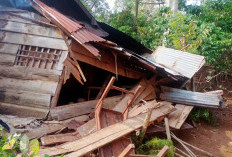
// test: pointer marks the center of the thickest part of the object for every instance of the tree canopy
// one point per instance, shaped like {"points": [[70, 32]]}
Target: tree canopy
{"points": [[201, 29]]}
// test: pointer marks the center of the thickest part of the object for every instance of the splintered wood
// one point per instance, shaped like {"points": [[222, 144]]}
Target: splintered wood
{"points": [[177, 118], [106, 135]]}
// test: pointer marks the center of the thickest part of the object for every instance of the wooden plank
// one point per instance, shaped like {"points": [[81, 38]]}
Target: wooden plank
{"points": [[73, 110], [26, 39], [190, 98], [28, 73], [55, 98], [143, 108], [36, 86], [4, 16], [24, 98], [7, 59], [116, 147], [71, 69], [107, 62], [147, 91], [23, 111], [87, 128], [167, 129], [58, 139], [60, 64], [160, 128], [31, 29], [177, 118], [105, 135], [100, 101], [163, 152], [217, 92], [43, 130], [9, 48], [123, 103], [127, 150]]}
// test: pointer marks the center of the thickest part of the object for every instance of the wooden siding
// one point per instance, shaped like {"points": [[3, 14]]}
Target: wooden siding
{"points": [[25, 90]]}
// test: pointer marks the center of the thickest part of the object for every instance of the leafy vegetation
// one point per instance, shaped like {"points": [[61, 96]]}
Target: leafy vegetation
{"points": [[202, 114], [14, 144], [153, 146], [204, 29]]}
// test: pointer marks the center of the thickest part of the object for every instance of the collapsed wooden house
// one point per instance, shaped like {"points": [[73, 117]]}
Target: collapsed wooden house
{"points": [[56, 53], [58, 63]]}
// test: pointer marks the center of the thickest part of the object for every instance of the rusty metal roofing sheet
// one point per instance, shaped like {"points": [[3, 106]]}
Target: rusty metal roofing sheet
{"points": [[77, 31], [176, 62], [67, 23], [85, 36]]}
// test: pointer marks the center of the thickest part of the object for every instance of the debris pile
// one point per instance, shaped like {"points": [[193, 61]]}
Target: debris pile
{"points": [[50, 53]]}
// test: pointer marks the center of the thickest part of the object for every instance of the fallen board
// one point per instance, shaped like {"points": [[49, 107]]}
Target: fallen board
{"points": [[177, 118], [191, 98], [104, 136], [74, 110], [115, 148]]}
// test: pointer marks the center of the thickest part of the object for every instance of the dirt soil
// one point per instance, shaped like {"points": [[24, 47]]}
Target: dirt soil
{"points": [[215, 139]]}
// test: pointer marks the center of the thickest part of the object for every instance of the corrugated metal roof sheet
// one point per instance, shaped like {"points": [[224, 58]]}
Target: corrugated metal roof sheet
{"points": [[177, 62], [67, 23], [191, 98], [77, 31], [85, 36]]}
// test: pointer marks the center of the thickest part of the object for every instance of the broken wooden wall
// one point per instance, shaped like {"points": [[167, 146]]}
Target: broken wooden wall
{"points": [[31, 56]]}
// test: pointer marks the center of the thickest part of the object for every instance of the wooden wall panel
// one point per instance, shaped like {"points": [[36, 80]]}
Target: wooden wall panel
{"points": [[107, 62], [9, 48], [7, 59], [36, 86], [23, 111], [24, 98], [31, 29], [26, 39], [27, 73]]}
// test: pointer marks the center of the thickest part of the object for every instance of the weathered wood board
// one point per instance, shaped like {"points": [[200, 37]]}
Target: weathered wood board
{"points": [[104, 136], [73, 110], [31, 29], [23, 111], [33, 40], [28, 73], [36, 86], [107, 62], [177, 118], [9, 48], [24, 98], [7, 59]]}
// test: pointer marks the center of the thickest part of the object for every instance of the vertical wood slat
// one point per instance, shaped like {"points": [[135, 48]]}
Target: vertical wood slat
{"points": [[38, 57]]}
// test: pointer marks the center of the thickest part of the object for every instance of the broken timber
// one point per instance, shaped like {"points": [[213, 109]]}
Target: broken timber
{"points": [[106, 135], [177, 118]]}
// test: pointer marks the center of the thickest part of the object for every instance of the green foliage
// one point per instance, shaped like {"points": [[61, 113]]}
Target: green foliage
{"points": [[11, 146], [202, 114], [204, 30], [99, 8], [153, 146]]}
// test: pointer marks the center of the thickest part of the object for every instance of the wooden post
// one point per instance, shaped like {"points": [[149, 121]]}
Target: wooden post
{"points": [[167, 128], [57, 93]]}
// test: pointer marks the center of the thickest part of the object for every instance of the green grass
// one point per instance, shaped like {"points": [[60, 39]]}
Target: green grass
{"points": [[154, 145]]}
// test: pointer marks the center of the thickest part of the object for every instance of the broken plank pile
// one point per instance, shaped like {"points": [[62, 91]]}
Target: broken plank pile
{"points": [[76, 132]]}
